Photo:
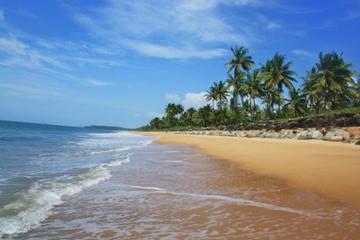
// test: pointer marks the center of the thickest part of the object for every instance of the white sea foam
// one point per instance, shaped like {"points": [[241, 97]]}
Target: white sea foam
{"points": [[121, 149], [241, 201], [34, 205]]}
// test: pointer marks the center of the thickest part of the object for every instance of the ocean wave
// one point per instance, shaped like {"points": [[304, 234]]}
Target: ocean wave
{"points": [[34, 205]]}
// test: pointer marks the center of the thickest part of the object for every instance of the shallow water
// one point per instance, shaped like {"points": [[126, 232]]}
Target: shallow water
{"points": [[42, 164], [174, 192]]}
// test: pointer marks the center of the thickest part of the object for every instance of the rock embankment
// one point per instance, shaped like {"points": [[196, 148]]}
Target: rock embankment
{"points": [[339, 120], [341, 127], [349, 134]]}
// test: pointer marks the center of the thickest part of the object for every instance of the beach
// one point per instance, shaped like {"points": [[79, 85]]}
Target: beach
{"points": [[105, 184], [176, 192], [332, 169]]}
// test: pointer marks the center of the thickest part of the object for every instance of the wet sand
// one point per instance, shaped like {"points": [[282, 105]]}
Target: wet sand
{"points": [[175, 192], [329, 168]]}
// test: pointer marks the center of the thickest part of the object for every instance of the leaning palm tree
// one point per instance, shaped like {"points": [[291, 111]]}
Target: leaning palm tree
{"points": [[277, 74], [333, 80]]}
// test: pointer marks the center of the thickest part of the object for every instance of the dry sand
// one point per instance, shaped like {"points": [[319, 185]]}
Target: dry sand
{"points": [[326, 167]]}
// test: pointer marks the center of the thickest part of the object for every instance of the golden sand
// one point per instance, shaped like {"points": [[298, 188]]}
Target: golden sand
{"points": [[326, 167]]}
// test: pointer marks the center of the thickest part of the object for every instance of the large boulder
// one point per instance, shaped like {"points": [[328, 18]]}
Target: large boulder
{"points": [[337, 134], [316, 134]]}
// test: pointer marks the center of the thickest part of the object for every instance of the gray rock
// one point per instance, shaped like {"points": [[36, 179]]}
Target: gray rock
{"points": [[254, 133], [316, 134], [304, 135], [337, 134], [336, 138]]}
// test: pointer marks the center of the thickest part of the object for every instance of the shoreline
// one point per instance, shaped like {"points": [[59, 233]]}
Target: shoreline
{"points": [[330, 168]]}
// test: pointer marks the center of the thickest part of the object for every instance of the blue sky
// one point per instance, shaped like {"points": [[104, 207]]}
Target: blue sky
{"points": [[117, 62]]}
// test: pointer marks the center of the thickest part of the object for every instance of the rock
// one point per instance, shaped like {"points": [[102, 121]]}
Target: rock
{"points": [[316, 134], [308, 123], [337, 134], [304, 135], [323, 130], [357, 142], [336, 138], [353, 131], [253, 133], [272, 134], [293, 124]]}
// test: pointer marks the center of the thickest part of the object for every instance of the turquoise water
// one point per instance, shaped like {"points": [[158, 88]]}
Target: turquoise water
{"points": [[39, 164]]}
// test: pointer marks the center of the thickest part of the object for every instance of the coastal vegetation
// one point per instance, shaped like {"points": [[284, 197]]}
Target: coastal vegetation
{"points": [[269, 92]]}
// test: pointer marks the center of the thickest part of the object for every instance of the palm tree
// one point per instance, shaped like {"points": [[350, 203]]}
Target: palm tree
{"points": [[297, 103], [310, 91], [204, 113], [211, 95], [172, 110], [240, 62], [332, 80], [254, 86], [222, 94], [237, 86], [277, 74], [155, 123], [218, 93], [188, 116]]}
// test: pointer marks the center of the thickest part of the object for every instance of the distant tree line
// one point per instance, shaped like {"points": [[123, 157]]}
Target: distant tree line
{"points": [[268, 92]]}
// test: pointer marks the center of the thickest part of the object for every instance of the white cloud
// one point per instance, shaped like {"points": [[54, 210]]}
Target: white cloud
{"points": [[268, 23], [29, 91], [20, 54], [172, 97], [178, 29], [303, 53], [98, 83], [195, 100], [169, 52]]}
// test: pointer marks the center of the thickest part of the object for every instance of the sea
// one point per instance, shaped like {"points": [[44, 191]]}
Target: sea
{"points": [[41, 164], [59, 182]]}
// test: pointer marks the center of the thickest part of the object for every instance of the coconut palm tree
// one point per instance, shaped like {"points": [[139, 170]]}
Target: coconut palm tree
{"points": [[172, 110], [310, 91], [222, 94], [188, 117], [156, 123], [297, 103], [204, 113], [332, 79], [218, 93], [240, 63], [277, 74], [241, 60], [211, 95], [254, 86], [237, 86]]}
